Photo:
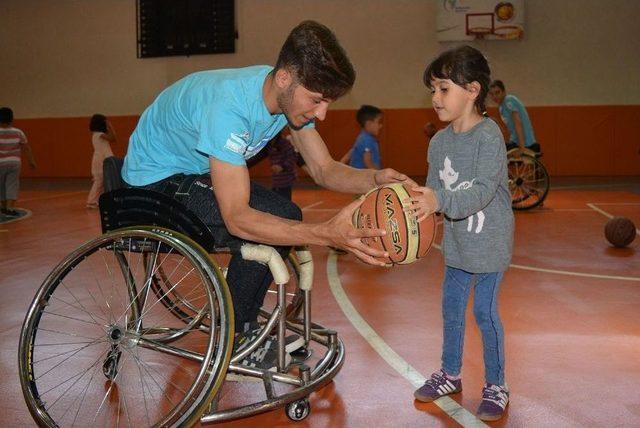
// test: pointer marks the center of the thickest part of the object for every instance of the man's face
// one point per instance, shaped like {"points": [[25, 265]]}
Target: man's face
{"points": [[300, 105], [496, 94]]}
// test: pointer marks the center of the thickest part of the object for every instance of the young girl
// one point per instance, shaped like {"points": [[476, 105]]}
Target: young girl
{"points": [[467, 182], [102, 134]]}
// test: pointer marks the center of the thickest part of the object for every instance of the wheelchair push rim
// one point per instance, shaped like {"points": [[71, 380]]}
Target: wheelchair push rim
{"points": [[88, 352]]}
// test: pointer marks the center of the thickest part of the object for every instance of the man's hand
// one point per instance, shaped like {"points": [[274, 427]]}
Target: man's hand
{"points": [[344, 235], [423, 204], [388, 176]]}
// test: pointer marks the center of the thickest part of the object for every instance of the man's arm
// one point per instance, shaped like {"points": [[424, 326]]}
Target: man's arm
{"points": [[334, 175], [232, 189]]}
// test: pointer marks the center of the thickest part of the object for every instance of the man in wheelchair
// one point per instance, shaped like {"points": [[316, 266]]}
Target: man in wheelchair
{"points": [[193, 141], [514, 115]]}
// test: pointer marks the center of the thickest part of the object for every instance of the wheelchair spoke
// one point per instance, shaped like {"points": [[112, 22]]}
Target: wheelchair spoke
{"points": [[79, 376], [67, 352], [82, 308], [113, 382]]}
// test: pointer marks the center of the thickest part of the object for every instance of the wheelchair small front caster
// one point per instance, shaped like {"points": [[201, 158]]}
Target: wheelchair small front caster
{"points": [[110, 365], [298, 410]]}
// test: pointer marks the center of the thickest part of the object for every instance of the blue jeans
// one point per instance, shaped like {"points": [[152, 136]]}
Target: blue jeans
{"points": [[455, 294]]}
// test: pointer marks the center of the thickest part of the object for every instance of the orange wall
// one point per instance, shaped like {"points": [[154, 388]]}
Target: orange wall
{"points": [[576, 140]]}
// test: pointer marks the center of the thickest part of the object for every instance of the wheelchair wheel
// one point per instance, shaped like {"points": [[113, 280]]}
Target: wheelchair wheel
{"points": [[89, 353], [528, 182], [183, 309]]}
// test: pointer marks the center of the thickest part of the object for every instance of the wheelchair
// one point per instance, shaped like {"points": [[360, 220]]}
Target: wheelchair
{"points": [[528, 179], [137, 326]]}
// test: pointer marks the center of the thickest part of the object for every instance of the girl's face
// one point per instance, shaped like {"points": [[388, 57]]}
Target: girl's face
{"points": [[451, 101]]}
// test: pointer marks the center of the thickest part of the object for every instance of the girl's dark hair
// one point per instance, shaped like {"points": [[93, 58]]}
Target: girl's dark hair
{"points": [[6, 115], [462, 65], [98, 123], [313, 53]]}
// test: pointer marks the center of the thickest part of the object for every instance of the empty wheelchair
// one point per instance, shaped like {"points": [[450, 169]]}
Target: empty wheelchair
{"points": [[135, 327], [528, 180]]}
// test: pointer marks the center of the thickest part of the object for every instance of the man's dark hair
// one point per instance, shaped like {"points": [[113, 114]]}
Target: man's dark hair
{"points": [[6, 115], [366, 113], [497, 84], [312, 53], [98, 123], [462, 65]]}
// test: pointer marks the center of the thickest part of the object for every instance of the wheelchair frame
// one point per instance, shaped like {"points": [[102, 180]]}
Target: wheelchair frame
{"points": [[122, 211]]}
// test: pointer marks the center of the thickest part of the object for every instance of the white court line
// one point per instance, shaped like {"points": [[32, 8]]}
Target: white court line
{"points": [[566, 272], [315, 204], [604, 213], [447, 404], [52, 196], [616, 203], [569, 273]]}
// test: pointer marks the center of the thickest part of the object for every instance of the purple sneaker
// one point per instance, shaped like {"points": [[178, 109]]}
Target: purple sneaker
{"points": [[437, 386], [494, 401]]}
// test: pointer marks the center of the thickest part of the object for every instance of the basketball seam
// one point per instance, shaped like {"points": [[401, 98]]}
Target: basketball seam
{"points": [[375, 211], [397, 189]]}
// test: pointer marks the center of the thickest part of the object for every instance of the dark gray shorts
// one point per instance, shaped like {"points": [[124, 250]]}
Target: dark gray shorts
{"points": [[9, 180]]}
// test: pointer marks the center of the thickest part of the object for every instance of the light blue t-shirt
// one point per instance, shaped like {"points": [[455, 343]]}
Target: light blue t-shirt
{"points": [[219, 113], [365, 142], [510, 104]]}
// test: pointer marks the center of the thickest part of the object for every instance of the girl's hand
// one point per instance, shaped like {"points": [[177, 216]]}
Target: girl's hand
{"points": [[423, 203]]}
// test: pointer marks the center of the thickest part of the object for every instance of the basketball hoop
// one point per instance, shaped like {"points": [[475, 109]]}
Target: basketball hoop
{"points": [[509, 32], [479, 32]]}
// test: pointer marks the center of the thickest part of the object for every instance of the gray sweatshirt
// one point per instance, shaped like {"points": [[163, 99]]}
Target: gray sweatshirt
{"points": [[468, 172]]}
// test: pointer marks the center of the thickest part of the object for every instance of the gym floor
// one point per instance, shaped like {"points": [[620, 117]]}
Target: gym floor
{"points": [[568, 303]]}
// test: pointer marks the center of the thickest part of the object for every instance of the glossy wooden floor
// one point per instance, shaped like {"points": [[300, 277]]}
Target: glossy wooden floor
{"points": [[569, 305]]}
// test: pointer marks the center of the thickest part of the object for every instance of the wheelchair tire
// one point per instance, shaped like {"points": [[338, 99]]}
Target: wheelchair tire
{"points": [[94, 313], [528, 182]]}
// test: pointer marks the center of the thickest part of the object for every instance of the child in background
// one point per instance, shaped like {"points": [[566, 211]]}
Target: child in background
{"points": [[12, 143], [365, 152], [467, 182], [101, 137], [283, 159]]}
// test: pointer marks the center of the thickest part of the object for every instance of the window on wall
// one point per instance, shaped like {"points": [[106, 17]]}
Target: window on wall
{"points": [[185, 27]]}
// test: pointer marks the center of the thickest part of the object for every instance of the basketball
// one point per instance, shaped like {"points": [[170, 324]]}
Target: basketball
{"points": [[406, 240], [620, 231]]}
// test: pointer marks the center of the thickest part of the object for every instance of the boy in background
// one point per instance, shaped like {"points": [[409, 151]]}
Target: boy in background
{"points": [[12, 142], [365, 153]]}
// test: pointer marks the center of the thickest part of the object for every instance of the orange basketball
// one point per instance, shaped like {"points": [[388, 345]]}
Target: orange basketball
{"points": [[620, 231], [406, 240]]}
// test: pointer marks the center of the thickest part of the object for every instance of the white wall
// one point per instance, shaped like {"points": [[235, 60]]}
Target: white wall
{"points": [[63, 58]]}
